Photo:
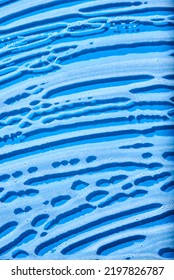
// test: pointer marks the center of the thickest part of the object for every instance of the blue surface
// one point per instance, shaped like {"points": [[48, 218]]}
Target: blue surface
{"points": [[86, 129]]}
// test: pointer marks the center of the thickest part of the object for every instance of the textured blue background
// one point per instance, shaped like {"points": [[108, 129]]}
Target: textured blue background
{"points": [[86, 129]]}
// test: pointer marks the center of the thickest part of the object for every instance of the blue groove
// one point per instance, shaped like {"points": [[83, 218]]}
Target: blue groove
{"points": [[124, 12], [119, 244], [25, 237], [107, 233], [7, 228], [130, 47], [89, 170], [166, 129], [98, 81], [153, 105], [43, 132], [44, 247], [40, 7], [71, 214]]}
